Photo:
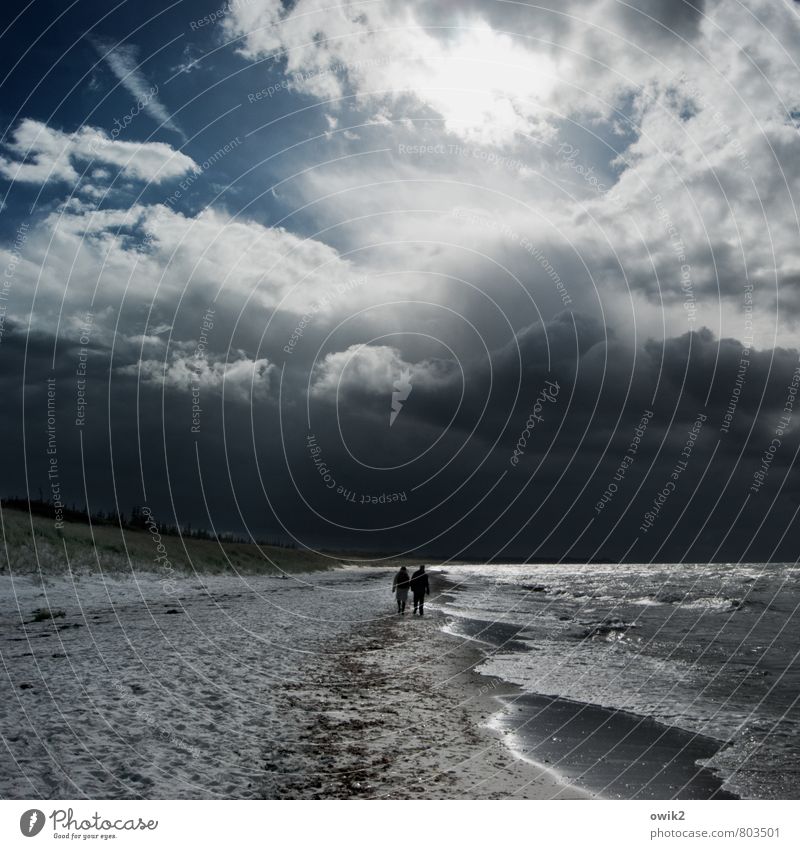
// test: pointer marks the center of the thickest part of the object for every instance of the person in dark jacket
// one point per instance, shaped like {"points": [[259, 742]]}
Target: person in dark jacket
{"points": [[419, 589], [400, 586]]}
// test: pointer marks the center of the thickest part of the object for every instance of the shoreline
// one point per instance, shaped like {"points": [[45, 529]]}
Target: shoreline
{"points": [[604, 752], [404, 715]]}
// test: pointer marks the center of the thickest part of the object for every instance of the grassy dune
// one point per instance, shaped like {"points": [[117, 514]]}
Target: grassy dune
{"points": [[32, 543], [82, 548]]}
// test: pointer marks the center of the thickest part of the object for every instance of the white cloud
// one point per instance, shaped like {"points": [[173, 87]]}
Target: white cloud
{"points": [[373, 369], [45, 155], [153, 257], [191, 60], [483, 83], [491, 83], [696, 97], [123, 60], [240, 378]]}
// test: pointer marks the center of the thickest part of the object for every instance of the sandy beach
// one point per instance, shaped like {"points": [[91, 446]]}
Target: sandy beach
{"points": [[234, 687], [309, 685]]}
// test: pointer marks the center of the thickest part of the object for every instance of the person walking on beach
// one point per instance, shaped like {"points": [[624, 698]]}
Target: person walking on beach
{"points": [[400, 586], [420, 588]]}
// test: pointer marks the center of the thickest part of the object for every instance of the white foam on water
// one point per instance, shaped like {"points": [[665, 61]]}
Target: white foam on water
{"points": [[708, 654]]}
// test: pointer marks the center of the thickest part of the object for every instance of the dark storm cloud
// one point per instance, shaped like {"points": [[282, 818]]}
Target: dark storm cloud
{"points": [[585, 438], [662, 19], [545, 505]]}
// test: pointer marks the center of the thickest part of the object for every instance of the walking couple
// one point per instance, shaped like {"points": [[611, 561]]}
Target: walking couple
{"points": [[417, 583]]}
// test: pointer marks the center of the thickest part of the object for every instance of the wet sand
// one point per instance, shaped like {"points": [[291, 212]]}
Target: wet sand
{"points": [[399, 713]]}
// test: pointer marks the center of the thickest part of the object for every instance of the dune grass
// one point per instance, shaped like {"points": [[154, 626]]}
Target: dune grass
{"points": [[32, 544]]}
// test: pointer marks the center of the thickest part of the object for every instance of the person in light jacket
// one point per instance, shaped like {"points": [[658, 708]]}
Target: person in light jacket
{"points": [[400, 586]]}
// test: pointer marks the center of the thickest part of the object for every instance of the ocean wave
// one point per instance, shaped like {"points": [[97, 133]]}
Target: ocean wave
{"points": [[608, 629], [696, 647]]}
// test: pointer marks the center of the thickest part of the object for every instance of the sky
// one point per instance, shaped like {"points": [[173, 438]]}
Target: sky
{"points": [[472, 280]]}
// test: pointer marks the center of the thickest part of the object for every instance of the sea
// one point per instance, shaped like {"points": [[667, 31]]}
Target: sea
{"points": [[708, 652]]}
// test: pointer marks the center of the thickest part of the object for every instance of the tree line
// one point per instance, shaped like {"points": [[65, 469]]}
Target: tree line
{"points": [[136, 521]]}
